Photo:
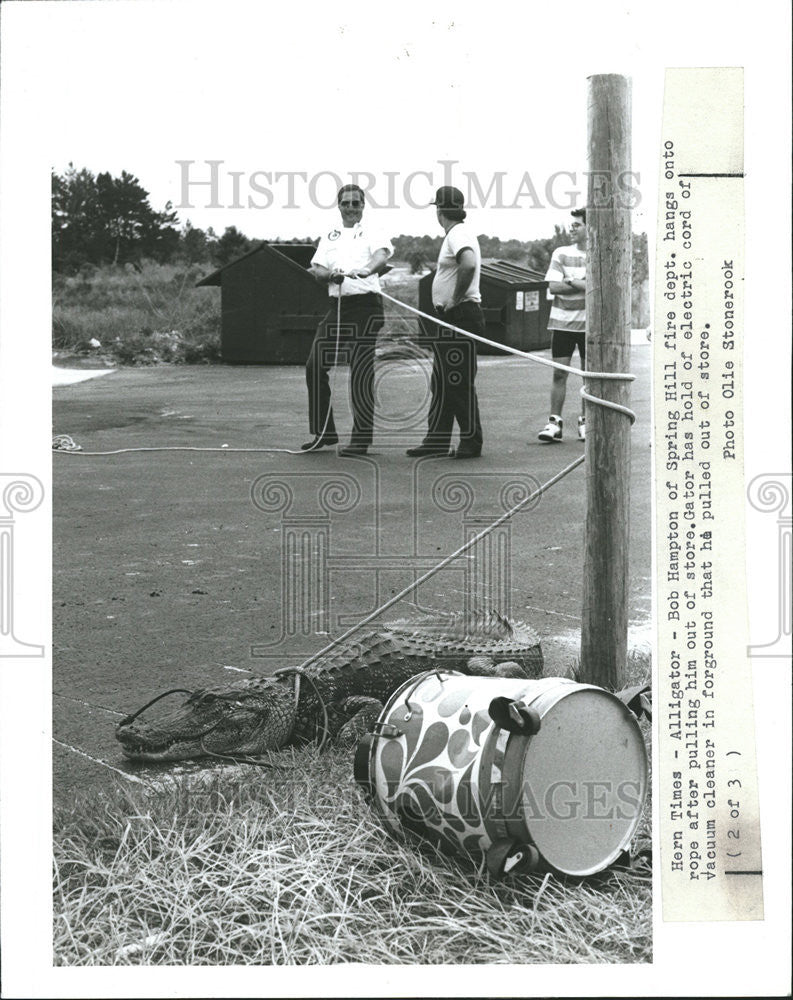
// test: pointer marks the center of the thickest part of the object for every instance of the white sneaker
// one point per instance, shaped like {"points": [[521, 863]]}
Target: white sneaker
{"points": [[581, 429], [552, 430]]}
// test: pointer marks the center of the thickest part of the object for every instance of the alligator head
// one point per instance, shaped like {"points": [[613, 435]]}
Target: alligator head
{"points": [[237, 720], [264, 713]]}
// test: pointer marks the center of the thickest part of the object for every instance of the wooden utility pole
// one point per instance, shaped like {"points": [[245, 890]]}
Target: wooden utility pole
{"points": [[604, 631]]}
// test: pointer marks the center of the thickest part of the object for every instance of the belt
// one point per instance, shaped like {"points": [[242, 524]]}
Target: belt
{"points": [[440, 310]]}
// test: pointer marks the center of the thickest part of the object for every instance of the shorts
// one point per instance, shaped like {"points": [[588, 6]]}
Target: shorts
{"points": [[564, 342]]}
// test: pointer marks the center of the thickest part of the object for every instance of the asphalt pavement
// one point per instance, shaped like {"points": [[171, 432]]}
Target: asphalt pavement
{"points": [[187, 568]]}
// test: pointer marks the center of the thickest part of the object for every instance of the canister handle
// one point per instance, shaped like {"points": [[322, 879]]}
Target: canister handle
{"points": [[385, 730], [514, 716], [637, 700], [508, 857]]}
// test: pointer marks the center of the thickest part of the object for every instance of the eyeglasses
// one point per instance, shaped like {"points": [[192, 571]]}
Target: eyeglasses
{"points": [[350, 204]]}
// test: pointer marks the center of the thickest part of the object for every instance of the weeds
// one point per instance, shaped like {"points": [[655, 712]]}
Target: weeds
{"points": [[155, 314], [287, 866], [137, 316]]}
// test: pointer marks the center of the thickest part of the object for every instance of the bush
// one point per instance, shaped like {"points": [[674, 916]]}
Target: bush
{"points": [[416, 262], [139, 314]]}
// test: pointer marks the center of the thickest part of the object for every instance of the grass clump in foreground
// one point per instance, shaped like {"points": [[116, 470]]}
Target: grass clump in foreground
{"points": [[286, 865]]}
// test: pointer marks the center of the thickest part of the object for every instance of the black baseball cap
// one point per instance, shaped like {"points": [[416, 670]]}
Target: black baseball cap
{"points": [[448, 197]]}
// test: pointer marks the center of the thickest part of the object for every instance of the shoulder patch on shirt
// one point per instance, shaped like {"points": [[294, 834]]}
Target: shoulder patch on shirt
{"points": [[334, 234]]}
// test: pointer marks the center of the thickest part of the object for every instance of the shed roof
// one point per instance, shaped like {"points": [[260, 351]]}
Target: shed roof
{"points": [[293, 254]]}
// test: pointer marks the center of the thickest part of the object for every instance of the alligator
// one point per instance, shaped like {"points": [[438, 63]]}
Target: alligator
{"points": [[338, 695]]}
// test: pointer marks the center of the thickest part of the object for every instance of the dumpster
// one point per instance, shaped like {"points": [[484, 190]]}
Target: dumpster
{"points": [[270, 305], [514, 302]]}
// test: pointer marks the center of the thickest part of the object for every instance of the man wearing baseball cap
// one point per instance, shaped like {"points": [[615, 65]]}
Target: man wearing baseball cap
{"points": [[456, 300]]}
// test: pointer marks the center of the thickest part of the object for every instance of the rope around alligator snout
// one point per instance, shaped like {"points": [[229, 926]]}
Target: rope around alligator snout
{"points": [[298, 673], [131, 718]]}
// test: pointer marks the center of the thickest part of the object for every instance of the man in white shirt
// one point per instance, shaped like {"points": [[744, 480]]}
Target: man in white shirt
{"points": [[456, 299], [566, 279], [348, 260]]}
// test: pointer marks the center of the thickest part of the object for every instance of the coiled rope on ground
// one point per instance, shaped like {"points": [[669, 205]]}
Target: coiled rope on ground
{"points": [[66, 445]]}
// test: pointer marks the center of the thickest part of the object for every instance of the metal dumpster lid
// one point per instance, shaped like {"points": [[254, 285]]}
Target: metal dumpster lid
{"points": [[508, 273]]}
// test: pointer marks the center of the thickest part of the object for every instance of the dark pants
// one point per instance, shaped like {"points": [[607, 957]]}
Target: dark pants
{"points": [[361, 318], [453, 375]]}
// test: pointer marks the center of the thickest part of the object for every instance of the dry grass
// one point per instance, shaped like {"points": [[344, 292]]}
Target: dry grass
{"points": [[287, 866], [138, 316], [156, 314]]}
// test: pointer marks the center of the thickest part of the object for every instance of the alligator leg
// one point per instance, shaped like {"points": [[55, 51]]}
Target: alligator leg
{"points": [[361, 714], [352, 718], [485, 666], [509, 669]]}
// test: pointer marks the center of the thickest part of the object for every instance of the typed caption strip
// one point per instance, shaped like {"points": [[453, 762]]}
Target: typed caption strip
{"points": [[709, 818]]}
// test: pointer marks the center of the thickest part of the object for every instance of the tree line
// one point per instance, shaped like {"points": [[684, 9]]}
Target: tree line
{"points": [[100, 220]]}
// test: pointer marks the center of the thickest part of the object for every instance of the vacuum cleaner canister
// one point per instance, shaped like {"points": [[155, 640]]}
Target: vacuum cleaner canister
{"points": [[531, 773]]}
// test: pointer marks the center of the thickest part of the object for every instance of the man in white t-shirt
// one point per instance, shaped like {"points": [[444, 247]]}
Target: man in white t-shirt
{"points": [[566, 279], [348, 260], [456, 300]]}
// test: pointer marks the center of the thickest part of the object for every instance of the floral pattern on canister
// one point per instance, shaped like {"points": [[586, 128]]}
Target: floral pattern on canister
{"points": [[573, 788], [429, 775]]}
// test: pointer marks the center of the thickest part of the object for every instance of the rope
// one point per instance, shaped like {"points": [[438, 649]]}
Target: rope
{"points": [[321, 434], [609, 404], [130, 718], [174, 447], [615, 376], [298, 673], [63, 443], [444, 562], [242, 759]]}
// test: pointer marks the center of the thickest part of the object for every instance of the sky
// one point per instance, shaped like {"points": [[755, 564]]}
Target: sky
{"points": [[327, 91]]}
